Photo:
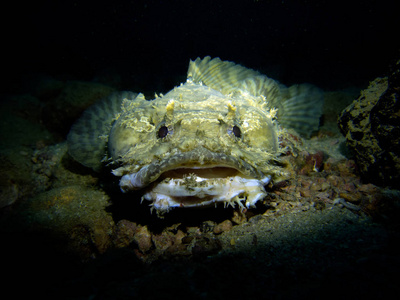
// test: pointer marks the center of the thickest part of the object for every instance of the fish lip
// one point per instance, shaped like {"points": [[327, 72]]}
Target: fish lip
{"points": [[202, 192], [200, 158]]}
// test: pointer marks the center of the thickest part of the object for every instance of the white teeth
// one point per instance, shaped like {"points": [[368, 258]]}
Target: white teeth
{"points": [[202, 191], [265, 180], [229, 190], [253, 201], [130, 182]]}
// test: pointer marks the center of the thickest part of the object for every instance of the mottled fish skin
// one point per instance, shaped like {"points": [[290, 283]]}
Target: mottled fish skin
{"points": [[212, 139]]}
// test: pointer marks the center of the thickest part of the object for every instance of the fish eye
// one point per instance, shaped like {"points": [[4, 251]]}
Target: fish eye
{"points": [[236, 131], [162, 132]]}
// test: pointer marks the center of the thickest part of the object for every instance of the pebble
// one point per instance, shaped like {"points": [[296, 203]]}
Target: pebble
{"points": [[143, 239], [368, 188], [124, 233], [351, 197], [223, 226]]}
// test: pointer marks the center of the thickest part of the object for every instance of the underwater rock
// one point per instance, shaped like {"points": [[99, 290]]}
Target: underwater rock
{"points": [[53, 168], [8, 193], [223, 226], [371, 127], [206, 245], [170, 243], [75, 216], [124, 233], [20, 132], [15, 178], [142, 238]]}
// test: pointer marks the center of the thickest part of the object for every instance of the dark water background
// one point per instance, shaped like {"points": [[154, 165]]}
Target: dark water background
{"points": [[147, 44]]}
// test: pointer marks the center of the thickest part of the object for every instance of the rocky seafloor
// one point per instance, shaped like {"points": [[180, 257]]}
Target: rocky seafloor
{"points": [[68, 233]]}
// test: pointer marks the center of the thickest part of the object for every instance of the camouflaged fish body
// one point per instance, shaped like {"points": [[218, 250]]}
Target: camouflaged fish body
{"points": [[212, 139]]}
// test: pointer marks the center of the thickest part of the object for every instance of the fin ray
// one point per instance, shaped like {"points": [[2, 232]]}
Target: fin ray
{"points": [[224, 76], [85, 143], [300, 108]]}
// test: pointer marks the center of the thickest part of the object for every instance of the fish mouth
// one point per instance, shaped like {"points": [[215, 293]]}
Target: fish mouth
{"points": [[198, 178]]}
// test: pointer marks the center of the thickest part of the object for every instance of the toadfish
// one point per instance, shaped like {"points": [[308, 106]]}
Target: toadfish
{"points": [[213, 139]]}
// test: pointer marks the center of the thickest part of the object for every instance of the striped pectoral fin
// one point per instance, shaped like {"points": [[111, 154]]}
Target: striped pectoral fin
{"points": [[300, 108], [87, 138]]}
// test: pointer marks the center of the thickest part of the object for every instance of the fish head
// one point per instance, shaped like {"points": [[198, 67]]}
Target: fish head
{"points": [[195, 147]]}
